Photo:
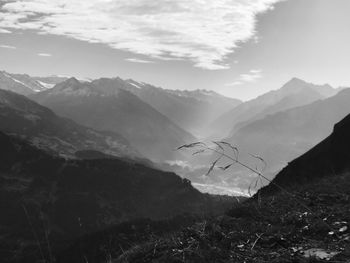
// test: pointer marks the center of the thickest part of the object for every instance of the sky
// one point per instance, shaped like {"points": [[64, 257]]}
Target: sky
{"points": [[239, 48]]}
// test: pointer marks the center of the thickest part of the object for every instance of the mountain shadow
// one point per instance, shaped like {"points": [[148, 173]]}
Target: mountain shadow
{"points": [[47, 201]]}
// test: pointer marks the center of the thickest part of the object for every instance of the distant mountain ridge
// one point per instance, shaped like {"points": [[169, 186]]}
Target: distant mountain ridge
{"points": [[192, 110], [106, 107], [281, 137], [294, 93], [23, 117], [25, 84]]}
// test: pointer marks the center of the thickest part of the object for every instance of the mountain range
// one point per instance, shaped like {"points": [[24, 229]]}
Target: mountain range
{"points": [[192, 110], [294, 93], [25, 84], [281, 137], [154, 120], [267, 127], [277, 126], [25, 118], [106, 107]]}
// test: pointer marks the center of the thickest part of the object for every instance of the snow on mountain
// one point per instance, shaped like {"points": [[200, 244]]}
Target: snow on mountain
{"points": [[192, 110], [22, 83], [46, 85], [108, 105]]}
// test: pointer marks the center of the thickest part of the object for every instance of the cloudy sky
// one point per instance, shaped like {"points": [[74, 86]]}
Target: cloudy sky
{"points": [[240, 48]]}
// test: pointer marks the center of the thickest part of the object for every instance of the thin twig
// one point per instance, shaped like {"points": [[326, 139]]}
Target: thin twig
{"points": [[271, 182], [256, 240], [223, 154]]}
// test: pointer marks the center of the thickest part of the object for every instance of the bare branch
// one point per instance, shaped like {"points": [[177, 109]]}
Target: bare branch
{"points": [[217, 144], [260, 159], [191, 145], [199, 151], [233, 148], [212, 166], [224, 168]]}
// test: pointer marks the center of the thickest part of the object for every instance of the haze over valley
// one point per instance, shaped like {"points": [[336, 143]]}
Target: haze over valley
{"points": [[135, 120]]}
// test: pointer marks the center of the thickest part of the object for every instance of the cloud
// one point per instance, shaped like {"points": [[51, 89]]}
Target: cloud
{"points": [[255, 71], [4, 31], [204, 32], [44, 55], [137, 60], [7, 46], [250, 77]]}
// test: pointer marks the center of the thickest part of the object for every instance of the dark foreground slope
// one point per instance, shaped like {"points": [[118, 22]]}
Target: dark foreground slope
{"points": [[277, 230], [309, 221], [47, 201], [329, 158]]}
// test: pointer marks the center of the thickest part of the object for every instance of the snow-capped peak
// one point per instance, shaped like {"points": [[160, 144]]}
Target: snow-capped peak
{"points": [[22, 83]]}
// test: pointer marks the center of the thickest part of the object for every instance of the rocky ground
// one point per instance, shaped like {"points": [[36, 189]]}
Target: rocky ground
{"points": [[309, 224]]}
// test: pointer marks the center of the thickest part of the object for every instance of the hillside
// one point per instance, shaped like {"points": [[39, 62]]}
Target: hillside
{"points": [[22, 83], [110, 108], [192, 110], [50, 81], [330, 157], [294, 93], [281, 137], [23, 117], [276, 229], [308, 221], [51, 200]]}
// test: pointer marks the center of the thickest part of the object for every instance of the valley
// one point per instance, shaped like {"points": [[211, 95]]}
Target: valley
{"points": [[153, 122]]}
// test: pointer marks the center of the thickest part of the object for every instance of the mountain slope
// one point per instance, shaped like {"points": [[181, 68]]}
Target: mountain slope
{"points": [[58, 199], [21, 83], [281, 137], [308, 221], [111, 108], [294, 93], [50, 81], [9, 83], [25, 118], [329, 157], [192, 110]]}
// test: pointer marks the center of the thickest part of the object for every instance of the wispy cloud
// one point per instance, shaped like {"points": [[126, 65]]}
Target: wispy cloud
{"points": [[44, 55], [4, 31], [252, 76], [202, 31], [137, 60], [7, 46]]}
